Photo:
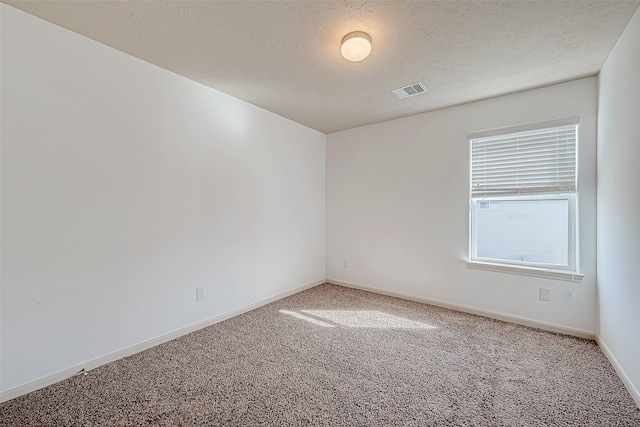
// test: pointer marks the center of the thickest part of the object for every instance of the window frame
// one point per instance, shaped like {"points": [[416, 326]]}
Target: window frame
{"points": [[571, 199], [571, 270]]}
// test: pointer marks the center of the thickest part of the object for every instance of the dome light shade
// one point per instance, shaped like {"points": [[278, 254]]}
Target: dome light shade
{"points": [[356, 46]]}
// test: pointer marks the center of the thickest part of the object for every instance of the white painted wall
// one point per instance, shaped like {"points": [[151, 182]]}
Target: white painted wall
{"points": [[124, 187], [397, 207], [619, 202]]}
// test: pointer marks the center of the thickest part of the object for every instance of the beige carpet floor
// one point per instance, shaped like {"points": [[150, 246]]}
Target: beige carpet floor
{"points": [[333, 356]]}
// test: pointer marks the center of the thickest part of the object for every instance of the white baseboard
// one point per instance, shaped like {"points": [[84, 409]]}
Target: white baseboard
{"points": [[144, 345], [633, 391], [94, 363], [466, 309]]}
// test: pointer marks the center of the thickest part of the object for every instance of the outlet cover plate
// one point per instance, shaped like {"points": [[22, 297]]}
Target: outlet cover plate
{"points": [[545, 294]]}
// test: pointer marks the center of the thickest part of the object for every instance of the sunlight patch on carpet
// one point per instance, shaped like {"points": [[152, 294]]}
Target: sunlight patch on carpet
{"points": [[358, 319], [307, 318]]}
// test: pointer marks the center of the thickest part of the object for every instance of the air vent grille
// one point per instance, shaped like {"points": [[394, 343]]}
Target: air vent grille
{"points": [[410, 90]]}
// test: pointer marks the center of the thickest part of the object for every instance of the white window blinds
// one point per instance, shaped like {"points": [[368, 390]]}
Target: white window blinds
{"points": [[541, 161]]}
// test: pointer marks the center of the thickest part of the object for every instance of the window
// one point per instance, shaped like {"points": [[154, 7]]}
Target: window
{"points": [[523, 199]]}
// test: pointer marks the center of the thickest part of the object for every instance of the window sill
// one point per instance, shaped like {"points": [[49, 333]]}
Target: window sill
{"points": [[568, 276]]}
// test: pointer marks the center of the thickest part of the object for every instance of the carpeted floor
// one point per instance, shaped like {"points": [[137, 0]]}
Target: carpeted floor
{"points": [[333, 356]]}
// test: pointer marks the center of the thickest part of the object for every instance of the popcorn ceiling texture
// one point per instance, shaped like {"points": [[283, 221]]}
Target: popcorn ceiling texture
{"points": [[285, 56], [331, 365]]}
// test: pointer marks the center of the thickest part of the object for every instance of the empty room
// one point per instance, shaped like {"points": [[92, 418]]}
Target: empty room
{"points": [[319, 213]]}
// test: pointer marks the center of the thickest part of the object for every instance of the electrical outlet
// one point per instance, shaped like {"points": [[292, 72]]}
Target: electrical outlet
{"points": [[200, 293], [545, 294], [345, 264]]}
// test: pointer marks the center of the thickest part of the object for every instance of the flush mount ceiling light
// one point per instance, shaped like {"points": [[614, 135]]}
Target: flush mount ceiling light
{"points": [[356, 46]]}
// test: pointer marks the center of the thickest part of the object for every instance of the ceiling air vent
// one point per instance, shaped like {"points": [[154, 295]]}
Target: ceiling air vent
{"points": [[411, 90]]}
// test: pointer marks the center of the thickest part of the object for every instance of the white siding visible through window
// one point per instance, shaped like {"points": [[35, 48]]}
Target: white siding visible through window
{"points": [[524, 230]]}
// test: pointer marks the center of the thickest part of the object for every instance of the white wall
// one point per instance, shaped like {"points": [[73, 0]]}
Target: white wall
{"points": [[397, 207], [124, 187], [619, 203]]}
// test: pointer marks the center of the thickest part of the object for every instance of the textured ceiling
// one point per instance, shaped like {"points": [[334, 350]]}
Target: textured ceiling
{"points": [[285, 56]]}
